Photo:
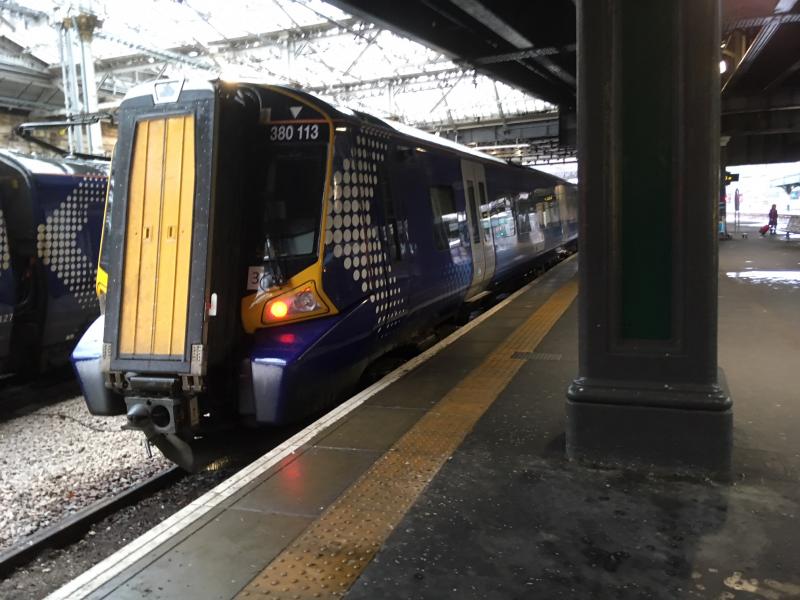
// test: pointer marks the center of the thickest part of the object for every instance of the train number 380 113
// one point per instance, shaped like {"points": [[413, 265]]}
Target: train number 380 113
{"points": [[299, 132]]}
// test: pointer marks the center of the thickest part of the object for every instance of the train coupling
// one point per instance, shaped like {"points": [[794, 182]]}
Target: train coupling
{"points": [[166, 423]]}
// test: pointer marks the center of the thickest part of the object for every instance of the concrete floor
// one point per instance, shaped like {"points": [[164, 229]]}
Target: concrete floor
{"points": [[509, 517]]}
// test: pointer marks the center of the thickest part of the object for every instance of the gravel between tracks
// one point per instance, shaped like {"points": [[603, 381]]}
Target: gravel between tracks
{"points": [[59, 459]]}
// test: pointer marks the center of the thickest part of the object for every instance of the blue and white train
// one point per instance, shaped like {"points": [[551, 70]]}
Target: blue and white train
{"points": [[51, 214], [262, 248]]}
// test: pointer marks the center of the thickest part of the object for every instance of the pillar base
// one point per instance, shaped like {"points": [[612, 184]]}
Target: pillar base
{"points": [[672, 432]]}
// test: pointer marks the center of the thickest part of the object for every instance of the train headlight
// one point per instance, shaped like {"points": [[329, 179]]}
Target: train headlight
{"points": [[300, 303], [305, 301]]}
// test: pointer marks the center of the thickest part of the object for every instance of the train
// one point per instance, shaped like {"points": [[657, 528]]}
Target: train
{"points": [[262, 248], [51, 213]]}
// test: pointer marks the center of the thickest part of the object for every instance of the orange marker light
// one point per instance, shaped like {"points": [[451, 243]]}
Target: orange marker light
{"points": [[278, 309]]}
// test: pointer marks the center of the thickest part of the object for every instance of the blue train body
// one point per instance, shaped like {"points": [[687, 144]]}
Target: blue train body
{"points": [[50, 220], [336, 237], [299, 369]]}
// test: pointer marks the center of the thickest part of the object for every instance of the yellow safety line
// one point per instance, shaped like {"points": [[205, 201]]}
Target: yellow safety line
{"points": [[327, 558]]}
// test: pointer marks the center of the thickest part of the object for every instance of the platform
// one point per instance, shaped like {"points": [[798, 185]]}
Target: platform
{"points": [[448, 479]]}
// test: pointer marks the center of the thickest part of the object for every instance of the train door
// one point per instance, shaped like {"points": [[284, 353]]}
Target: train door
{"points": [[400, 179], [480, 231], [488, 233], [155, 286], [395, 236]]}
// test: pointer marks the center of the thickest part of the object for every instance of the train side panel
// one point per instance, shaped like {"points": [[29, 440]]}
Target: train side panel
{"points": [[52, 210], [441, 255], [530, 214], [68, 219]]}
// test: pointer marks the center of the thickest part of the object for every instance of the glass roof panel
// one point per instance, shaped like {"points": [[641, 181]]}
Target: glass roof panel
{"points": [[305, 43]]}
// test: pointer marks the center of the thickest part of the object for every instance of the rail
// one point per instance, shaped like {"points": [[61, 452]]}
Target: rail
{"points": [[71, 528]]}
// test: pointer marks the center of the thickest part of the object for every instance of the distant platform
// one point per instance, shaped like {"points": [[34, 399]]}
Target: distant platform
{"points": [[448, 479]]}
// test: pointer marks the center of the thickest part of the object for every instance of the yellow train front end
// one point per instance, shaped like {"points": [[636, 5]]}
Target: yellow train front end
{"points": [[184, 226]]}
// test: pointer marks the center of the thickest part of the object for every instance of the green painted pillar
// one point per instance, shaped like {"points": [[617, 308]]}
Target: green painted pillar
{"points": [[648, 388]]}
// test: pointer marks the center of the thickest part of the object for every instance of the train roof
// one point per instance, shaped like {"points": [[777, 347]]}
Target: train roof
{"points": [[412, 132], [338, 112], [39, 165]]}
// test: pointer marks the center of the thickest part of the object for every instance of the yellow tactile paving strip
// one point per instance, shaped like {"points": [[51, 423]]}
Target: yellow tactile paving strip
{"points": [[327, 558]]}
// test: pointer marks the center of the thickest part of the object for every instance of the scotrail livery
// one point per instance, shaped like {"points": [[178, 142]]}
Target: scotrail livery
{"points": [[263, 247], [51, 214]]}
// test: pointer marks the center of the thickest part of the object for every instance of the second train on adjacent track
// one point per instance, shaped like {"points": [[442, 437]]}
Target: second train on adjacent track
{"points": [[263, 247], [51, 214]]}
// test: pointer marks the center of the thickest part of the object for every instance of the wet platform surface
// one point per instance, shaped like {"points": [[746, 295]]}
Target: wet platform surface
{"points": [[509, 517], [452, 482]]}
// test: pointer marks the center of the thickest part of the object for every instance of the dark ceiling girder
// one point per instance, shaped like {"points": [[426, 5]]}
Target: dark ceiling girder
{"points": [[757, 102], [761, 21], [478, 11], [786, 74], [763, 128], [488, 134], [762, 149], [482, 14], [759, 43], [772, 28], [532, 139], [448, 29], [520, 54], [770, 122]]}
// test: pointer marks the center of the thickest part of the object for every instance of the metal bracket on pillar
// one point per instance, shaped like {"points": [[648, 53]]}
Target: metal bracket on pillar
{"points": [[648, 388]]}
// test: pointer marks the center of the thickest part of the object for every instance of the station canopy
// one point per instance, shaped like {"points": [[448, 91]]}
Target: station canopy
{"points": [[305, 43]]}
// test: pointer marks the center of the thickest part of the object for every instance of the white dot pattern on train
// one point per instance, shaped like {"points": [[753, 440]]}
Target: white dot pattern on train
{"points": [[5, 251], [58, 238], [5, 265], [352, 235]]}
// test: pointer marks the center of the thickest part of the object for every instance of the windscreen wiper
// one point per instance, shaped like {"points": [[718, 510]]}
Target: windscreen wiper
{"points": [[272, 265]]}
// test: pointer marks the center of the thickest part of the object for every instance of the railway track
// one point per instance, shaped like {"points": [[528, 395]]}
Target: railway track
{"points": [[46, 559], [75, 526]]}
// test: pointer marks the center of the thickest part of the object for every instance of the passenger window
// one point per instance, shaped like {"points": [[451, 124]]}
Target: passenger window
{"points": [[544, 198], [555, 213], [445, 218], [525, 212], [502, 219], [485, 214]]}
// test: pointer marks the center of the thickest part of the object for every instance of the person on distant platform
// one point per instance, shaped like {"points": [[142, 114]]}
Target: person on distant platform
{"points": [[773, 219]]}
